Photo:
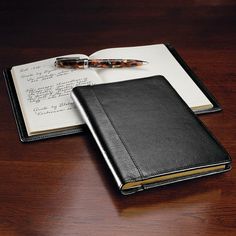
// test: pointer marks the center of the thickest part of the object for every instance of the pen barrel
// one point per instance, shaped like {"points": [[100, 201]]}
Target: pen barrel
{"points": [[72, 63], [113, 63], [77, 63]]}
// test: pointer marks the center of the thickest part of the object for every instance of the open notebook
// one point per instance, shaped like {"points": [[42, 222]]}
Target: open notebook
{"points": [[40, 92]]}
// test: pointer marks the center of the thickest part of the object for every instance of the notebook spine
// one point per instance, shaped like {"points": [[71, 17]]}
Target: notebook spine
{"points": [[94, 133]]}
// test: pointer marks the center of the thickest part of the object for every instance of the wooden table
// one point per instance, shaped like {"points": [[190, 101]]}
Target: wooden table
{"points": [[62, 186]]}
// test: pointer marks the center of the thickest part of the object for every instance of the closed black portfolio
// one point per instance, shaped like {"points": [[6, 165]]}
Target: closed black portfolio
{"points": [[147, 134]]}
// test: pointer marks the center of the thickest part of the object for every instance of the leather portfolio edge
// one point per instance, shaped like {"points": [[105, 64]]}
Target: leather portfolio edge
{"points": [[216, 106], [120, 183], [20, 120]]}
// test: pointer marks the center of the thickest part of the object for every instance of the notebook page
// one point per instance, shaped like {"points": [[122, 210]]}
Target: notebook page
{"points": [[44, 94], [161, 62]]}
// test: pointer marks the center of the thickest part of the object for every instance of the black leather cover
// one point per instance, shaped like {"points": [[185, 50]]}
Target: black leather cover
{"points": [[146, 130], [216, 106]]}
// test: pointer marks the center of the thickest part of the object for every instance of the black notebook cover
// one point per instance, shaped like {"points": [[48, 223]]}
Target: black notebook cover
{"points": [[147, 134], [216, 106]]}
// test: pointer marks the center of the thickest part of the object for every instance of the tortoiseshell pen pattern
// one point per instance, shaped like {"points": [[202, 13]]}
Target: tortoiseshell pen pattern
{"points": [[113, 63], [73, 64], [97, 63]]}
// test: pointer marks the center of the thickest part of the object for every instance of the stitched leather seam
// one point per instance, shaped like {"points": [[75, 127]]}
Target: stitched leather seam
{"points": [[122, 141]]}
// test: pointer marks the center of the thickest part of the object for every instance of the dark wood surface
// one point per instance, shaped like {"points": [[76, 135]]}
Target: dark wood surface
{"points": [[62, 186]]}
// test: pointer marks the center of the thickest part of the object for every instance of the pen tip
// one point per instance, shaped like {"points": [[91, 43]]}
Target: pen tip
{"points": [[145, 62]]}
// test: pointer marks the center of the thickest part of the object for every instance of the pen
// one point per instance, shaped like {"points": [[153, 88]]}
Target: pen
{"points": [[78, 63]]}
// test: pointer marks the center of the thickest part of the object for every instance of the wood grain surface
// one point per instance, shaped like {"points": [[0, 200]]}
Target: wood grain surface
{"points": [[62, 186]]}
